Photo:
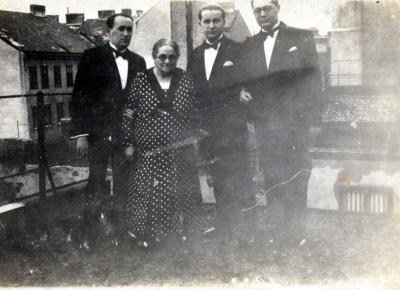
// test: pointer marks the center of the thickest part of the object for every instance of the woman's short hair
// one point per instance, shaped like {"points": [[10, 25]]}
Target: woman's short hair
{"points": [[165, 42]]}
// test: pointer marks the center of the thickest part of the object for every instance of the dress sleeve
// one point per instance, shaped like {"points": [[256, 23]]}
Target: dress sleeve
{"points": [[128, 138]]}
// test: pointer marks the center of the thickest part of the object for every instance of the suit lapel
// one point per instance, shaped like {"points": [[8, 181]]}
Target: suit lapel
{"points": [[218, 60], [256, 52], [278, 52], [201, 62], [112, 67], [132, 70]]}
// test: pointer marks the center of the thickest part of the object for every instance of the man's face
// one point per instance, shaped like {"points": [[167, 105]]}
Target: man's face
{"points": [[211, 24], [121, 33], [266, 13]]}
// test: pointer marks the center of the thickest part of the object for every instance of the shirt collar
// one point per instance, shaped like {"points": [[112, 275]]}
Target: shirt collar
{"points": [[220, 37], [275, 26], [114, 47]]}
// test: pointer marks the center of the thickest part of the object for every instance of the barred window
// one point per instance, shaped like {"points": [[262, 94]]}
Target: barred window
{"points": [[33, 78], [70, 76], [44, 74], [57, 76]]}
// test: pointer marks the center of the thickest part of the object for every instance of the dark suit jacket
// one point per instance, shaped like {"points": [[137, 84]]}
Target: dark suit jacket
{"points": [[287, 95], [98, 98], [218, 99]]}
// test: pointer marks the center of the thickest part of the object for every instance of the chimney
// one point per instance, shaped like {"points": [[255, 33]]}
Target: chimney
{"points": [[139, 13], [127, 11], [228, 6], [104, 14], [38, 10], [75, 18], [55, 18]]}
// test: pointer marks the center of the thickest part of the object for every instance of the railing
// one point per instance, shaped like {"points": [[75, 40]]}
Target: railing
{"points": [[38, 155]]}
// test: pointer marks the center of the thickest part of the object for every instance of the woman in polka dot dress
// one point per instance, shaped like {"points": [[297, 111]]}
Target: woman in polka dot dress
{"points": [[163, 186]]}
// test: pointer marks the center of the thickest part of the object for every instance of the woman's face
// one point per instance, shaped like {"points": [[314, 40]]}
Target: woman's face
{"points": [[166, 59]]}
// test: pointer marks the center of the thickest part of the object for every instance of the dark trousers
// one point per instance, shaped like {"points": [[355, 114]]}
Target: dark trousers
{"points": [[286, 208], [98, 194], [230, 181]]}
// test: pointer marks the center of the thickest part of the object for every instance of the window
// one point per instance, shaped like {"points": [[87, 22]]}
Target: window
{"points": [[60, 112], [46, 117], [57, 76], [70, 76], [44, 74], [33, 78]]}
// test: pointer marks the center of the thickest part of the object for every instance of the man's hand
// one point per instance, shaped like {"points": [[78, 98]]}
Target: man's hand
{"points": [[82, 145], [129, 153], [245, 96], [129, 113]]}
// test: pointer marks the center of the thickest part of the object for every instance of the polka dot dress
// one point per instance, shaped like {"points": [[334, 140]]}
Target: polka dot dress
{"points": [[163, 185]]}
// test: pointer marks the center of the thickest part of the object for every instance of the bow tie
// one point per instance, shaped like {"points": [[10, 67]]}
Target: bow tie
{"points": [[211, 45], [265, 34], [123, 54]]}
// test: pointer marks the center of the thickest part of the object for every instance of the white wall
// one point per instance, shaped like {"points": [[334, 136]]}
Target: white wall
{"points": [[13, 117], [152, 26]]}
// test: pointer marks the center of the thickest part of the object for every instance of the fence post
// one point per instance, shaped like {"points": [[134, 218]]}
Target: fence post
{"points": [[41, 151]]}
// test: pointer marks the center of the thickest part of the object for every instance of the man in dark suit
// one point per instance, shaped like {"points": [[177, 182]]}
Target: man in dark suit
{"points": [[282, 91], [97, 108], [212, 66]]}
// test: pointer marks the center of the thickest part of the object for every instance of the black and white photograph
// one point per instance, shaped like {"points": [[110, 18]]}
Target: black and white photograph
{"points": [[200, 144]]}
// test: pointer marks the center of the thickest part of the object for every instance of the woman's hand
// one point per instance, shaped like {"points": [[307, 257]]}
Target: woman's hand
{"points": [[129, 153]]}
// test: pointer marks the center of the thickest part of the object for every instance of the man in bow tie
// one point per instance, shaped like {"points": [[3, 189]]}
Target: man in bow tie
{"points": [[97, 108], [281, 93], [213, 66]]}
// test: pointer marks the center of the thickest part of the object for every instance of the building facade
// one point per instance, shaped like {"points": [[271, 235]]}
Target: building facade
{"points": [[37, 53]]}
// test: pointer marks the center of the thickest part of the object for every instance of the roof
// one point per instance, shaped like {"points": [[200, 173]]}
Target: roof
{"points": [[30, 33], [95, 30]]}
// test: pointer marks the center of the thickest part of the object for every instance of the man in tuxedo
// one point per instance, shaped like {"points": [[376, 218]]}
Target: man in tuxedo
{"points": [[213, 65], [97, 108], [281, 93]]}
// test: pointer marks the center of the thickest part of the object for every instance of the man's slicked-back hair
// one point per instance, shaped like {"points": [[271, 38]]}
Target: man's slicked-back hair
{"points": [[211, 7], [275, 2], [110, 20]]}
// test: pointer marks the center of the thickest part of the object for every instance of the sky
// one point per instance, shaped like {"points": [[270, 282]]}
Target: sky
{"points": [[300, 13]]}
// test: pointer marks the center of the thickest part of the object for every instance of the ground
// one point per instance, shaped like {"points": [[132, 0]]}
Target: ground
{"points": [[340, 250]]}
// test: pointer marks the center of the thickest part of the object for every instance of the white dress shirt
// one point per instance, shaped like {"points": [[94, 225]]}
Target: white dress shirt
{"points": [[122, 65], [269, 44], [210, 54]]}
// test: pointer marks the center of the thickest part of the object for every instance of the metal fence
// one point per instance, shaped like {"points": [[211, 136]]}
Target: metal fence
{"points": [[40, 155]]}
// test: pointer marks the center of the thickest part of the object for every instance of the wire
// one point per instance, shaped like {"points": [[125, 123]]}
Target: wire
{"points": [[275, 186]]}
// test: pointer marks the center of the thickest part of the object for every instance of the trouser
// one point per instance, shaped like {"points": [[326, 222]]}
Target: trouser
{"points": [[230, 181], [286, 208], [99, 200]]}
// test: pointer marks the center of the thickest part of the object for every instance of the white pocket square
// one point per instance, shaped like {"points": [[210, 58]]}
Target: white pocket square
{"points": [[294, 48], [228, 63]]}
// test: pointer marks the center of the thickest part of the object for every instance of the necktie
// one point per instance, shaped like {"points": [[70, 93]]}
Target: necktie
{"points": [[265, 34], [123, 54], [211, 45]]}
